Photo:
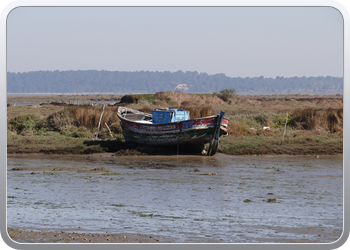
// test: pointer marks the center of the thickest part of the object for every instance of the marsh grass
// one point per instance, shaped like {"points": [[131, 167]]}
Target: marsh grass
{"points": [[89, 116], [12, 136], [82, 121], [198, 111], [330, 119], [240, 129], [26, 124], [49, 143], [42, 111], [295, 143], [315, 125], [187, 99], [147, 97]]}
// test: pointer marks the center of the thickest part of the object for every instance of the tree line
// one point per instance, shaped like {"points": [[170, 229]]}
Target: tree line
{"points": [[121, 82]]}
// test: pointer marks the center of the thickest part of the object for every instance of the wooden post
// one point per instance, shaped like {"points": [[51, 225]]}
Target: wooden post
{"points": [[285, 127], [99, 123], [109, 130], [214, 139]]}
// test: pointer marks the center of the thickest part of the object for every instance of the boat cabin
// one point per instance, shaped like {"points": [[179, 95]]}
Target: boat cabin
{"points": [[169, 115]]}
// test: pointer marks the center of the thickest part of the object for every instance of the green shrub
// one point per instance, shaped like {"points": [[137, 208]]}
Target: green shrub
{"points": [[147, 97], [11, 136], [225, 94], [130, 99], [81, 132], [260, 119], [60, 119], [280, 120], [26, 124]]}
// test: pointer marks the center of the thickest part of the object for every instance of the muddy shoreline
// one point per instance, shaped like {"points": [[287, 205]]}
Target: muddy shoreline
{"points": [[174, 199], [114, 156], [26, 236]]}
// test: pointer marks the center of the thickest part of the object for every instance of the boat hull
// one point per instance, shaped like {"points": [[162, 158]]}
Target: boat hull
{"points": [[196, 131]]}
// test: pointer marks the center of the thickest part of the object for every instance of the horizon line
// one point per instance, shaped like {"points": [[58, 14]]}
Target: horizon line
{"points": [[199, 73]]}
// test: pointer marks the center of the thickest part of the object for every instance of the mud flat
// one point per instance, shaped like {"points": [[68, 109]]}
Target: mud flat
{"points": [[174, 199], [23, 236]]}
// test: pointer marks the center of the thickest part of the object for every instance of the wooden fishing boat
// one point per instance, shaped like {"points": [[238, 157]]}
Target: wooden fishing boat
{"points": [[138, 127]]}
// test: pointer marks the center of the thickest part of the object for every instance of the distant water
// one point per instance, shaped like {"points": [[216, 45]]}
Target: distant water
{"points": [[79, 103], [54, 94]]}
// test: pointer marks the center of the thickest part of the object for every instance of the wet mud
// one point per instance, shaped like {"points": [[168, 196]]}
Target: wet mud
{"points": [[175, 199], [31, 236]]}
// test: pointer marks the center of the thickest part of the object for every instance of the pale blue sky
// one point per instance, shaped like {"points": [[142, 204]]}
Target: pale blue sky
{"points": [[236, 41]]}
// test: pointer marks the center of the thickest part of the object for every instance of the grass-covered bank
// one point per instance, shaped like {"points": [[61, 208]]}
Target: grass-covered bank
{"points": [[302, 144], [314, 125]]}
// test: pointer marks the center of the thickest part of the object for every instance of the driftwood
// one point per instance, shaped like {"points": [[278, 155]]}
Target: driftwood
{"points": [[109, 130], [99, 123], [285, 127]]}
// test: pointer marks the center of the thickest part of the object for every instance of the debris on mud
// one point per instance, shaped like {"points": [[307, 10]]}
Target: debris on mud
{"points": [[271, 200]]}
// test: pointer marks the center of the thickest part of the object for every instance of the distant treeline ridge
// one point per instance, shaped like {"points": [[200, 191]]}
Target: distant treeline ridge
{"points": [[94, 81]]}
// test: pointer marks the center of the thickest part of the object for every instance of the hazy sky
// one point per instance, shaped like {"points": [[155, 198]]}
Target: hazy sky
{"points": [[236, 41]]}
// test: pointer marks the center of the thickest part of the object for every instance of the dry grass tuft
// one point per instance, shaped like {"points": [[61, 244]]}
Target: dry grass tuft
{"points": [[334, 119], [240, 129], [313, 119], [305, 118], [198, 111], [146, 109], [188, 99], [87, 116]]}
